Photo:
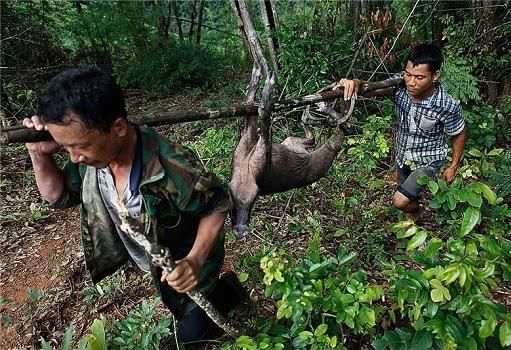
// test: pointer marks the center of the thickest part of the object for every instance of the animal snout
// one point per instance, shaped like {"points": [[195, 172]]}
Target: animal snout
{"points": [[240, 231]]}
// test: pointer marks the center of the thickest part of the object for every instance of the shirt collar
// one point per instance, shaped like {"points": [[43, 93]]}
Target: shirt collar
{"points": [[136, 167]]}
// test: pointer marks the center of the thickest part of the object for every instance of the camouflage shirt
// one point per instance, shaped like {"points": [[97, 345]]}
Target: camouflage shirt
{"points": [[177, 192]]}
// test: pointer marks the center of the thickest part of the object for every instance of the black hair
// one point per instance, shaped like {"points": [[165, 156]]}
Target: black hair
{"points": [[429, 54], [87, 92]]}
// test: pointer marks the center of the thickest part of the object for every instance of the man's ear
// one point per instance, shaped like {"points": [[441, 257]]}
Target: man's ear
{"points": [[436, 75], [120, 127]]}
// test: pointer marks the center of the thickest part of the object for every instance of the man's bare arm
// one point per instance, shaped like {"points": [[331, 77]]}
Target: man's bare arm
{"points": [[185, 276], [49, 177], [458, 144]]}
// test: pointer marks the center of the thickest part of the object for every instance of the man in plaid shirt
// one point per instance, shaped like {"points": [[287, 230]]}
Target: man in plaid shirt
{"points": [[426, 115]]}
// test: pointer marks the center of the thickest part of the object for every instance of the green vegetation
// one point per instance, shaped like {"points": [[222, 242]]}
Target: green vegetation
{"points": [[341, 269]]}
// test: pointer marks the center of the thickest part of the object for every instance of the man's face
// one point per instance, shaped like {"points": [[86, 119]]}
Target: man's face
{"points": [[419, 80], [93, 147]]}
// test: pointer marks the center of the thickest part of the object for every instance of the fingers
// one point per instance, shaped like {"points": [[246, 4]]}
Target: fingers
{"points": [[349, 86], [183, 278], [34, 122]]}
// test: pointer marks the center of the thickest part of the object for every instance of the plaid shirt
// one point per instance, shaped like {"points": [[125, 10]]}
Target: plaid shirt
{"points": [[422, 126]]}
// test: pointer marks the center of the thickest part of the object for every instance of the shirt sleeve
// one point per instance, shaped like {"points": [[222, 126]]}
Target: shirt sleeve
{"points": [[454, 122], [70, 196]]}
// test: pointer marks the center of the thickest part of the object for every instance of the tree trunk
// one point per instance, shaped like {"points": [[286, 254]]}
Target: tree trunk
{"points": [[270, 20], [192, 20], [436, 24], [175, 6], [199, 20]]}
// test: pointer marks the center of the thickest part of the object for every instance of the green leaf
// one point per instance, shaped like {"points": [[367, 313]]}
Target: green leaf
{"points": [[470, 219], [98, 331], [367, 316], [305, 335], [410, 232], [437, 296], [6, 321], [417, 240], [433, 187], [66, 340], [82, 344], [476, 153], [505, 334], [490, 196], [403, 224], [432, 248], [322, 328], [45, 345], [487, 328], [474, 199], [243, 276], [422, 340], [495, 152]]}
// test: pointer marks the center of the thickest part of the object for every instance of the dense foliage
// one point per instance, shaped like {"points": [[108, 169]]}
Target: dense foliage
{"points": [[388, 283]]}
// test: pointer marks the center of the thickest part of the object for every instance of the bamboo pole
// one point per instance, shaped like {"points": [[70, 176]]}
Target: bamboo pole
{"points": [[21, 134]]}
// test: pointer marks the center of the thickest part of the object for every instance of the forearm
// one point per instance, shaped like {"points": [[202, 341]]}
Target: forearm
{"points": [[458, 144], [207, 235], [48, 176]]}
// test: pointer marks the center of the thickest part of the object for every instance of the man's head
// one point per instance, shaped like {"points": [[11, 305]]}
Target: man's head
{"points": [[422, 70], [84, 110]]}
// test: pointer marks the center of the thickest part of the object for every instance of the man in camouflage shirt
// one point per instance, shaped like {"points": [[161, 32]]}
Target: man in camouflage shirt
{"points": [[426, 114], [162, 184]]}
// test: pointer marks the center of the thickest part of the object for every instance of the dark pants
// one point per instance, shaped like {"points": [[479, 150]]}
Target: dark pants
{"points": [[195, 325], [407, 178]]}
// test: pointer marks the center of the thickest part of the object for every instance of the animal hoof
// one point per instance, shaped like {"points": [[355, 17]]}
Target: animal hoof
{"points": [[240, 231]]}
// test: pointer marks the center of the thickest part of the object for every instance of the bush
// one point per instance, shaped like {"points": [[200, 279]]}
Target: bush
{"points": [[166, 70]]}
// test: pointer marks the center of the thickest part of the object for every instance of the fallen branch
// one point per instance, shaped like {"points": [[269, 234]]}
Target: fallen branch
{"points": [[160, 256], [21, 134]]}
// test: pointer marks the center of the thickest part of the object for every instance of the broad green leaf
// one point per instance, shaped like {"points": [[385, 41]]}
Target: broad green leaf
{"points": [[98, 331], [490, 196], [305, 335], [333, 341], [82, 344], [417, 240], [433, 187], [505, 334], [470, 219], [487, 328], [243, 277], [422, 340], [367, 316], [403, 224], [437, 296], [474, 199], [436, 284], [432, 248], [476, 153], [66, 340], [451, 201], [45, 345], [410, 232], [470, 344], [322, 328], [495, 152]]}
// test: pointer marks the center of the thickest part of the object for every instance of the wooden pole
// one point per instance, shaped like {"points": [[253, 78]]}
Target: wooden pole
{"points": [[21, 134]]}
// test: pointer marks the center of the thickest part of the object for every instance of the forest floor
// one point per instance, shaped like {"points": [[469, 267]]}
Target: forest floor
{"points": [[44, 286]]}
